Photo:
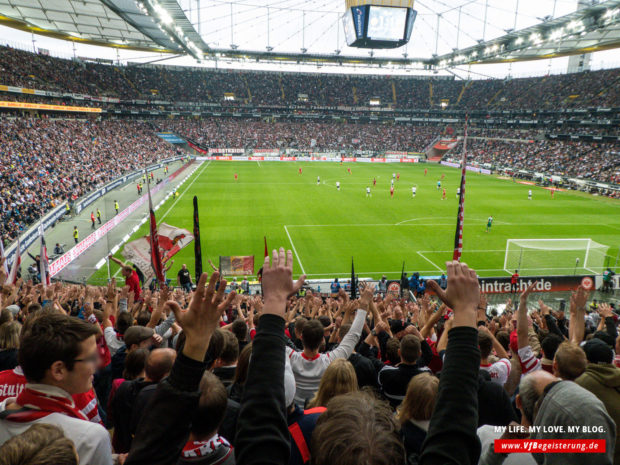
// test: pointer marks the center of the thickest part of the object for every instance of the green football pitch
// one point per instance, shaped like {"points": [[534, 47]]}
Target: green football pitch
{"points": [[326, 227]]}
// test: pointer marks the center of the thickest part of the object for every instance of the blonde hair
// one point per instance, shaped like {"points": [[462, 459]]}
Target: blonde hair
{"points": [[339, 378], [420, 398], [9, 335], [41, 444]]}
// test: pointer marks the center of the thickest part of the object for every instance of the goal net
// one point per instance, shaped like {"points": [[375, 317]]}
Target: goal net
{"points": [[554, 256]]}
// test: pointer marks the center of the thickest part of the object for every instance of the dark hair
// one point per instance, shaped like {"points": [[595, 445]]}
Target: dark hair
{"points": [[243, 365], [50, 338], [324, 320], [410, 348], [504, 339], [123, 322], [33, 308], [344, 329], [485, 343], [143, 318], [300, 323], [391, 350], [550, 345], [134, 363], [312, 334], [209, 414], [230, 350], [356, 428], [240, 329], [216, 345]]}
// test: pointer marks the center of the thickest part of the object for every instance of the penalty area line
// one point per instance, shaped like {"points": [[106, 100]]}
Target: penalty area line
{"points": [[429, 261], [295, 251]]}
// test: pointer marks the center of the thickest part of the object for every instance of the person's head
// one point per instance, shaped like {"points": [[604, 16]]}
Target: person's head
{"points": [[184, 266], [143, 318], [549, 345], [392, 350], [504, 339], [216, 346], [485, 343], [240, 329], [159, 363], [420, 399], [569, 361], [9, 335], [356, 428], [6, 315], [57, 244], [123, 322], [531, 390], [230, 351], [338, 378], [208, 416], [312, 335], [138, 337], [300, 322], [126, 271], [59, 350], [597, 351], [134, 364], [410, 349], [335, 280], [243, 364], [41, 444], [343, 330]]}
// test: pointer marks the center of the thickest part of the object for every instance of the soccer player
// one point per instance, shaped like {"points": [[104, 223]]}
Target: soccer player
{"points": [[374, 181], [116, 206], [552, 192], [413, 191], [318, 180], [458, 192], [138, 188], [368, 194], [425, 171], [393, 175], [338, 185], [99, 215], [92, 220], [392, 182], [438, 185], [299, 170], [392, 191], [76, 234], [443, 176], [398, 176], [443, 195], [529, 194], [514, 282], [236, 176], [349, 170], [489, 223]]}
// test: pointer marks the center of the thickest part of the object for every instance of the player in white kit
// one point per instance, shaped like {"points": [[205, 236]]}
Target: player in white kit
{"points": [[529, 194], [368, 194], [413, 191], [338, 185]]}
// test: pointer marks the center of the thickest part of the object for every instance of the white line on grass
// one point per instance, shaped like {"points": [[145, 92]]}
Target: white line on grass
{"points": [[295, 250], [429, 261], [259, 164]]}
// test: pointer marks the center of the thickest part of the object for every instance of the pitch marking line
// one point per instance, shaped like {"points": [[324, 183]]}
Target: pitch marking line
{"points": [[295, 250], [429, 261]]}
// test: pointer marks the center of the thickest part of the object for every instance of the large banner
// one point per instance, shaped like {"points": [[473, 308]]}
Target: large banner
{"points": [[237, 265], [170, 238]]}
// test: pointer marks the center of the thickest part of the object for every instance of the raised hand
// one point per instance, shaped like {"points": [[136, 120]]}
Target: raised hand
{"points": [[604, 310], [203, 316], [462, 294], [278, 283], [578, 300]]}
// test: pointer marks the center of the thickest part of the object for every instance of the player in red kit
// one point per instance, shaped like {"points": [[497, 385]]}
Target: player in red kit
{"points": [[552, 192], [299, 170], [442, 176], [374, 181], [349, 170], [444, 194], [92, 219], [398, 176], [425, 171], [236, 176], [392, 191]]}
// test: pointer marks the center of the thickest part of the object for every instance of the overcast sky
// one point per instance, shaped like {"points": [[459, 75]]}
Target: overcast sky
{"points": [[289, 25]]}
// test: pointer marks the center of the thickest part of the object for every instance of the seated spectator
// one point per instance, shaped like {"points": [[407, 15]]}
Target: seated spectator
{"points": [[338, 378]]}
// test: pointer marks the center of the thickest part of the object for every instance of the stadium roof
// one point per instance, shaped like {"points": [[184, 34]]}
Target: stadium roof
{"points": [[447, 33]]}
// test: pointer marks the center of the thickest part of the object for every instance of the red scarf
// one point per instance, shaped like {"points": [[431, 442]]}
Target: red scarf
{"points": [[194, 449], [37, 404]]}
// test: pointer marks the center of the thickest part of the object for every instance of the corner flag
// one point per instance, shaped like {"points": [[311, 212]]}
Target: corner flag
{"points": [[197, 246]]}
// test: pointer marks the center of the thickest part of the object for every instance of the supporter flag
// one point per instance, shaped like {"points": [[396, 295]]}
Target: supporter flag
{"points": [[237, 265], [170, 240], [353, 286], [156, 264], [44, 263], [266, 249], [458, 235], [197, 246], [16, 263], [4, 264]]}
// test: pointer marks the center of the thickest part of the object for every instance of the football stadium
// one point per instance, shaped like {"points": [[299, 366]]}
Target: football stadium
{"points": [[358, 231]]}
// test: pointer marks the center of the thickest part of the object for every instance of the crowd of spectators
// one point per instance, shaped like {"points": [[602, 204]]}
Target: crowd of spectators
{"points": [[48, 161], [102, 375], [40, 71], [249, 133]]}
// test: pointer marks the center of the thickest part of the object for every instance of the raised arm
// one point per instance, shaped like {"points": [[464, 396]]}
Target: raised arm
{"points": [[522, 338]]}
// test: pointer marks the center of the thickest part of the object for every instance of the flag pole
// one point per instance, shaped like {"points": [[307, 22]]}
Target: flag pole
{"points": [[458, 235], [197, 245]]}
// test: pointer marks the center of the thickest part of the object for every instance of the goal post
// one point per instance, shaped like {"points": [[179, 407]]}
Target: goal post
{"points": [[555, 256]]}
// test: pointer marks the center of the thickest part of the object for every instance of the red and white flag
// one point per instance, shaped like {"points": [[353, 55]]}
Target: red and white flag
{"points": [[16, 263], [4, 264], [458, 235], [44, 263], [156, 263]]}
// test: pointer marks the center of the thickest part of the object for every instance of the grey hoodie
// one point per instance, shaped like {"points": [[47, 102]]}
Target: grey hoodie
{"points": [[569, 405]]}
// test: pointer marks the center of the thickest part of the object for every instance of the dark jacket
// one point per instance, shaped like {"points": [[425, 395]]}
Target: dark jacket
{"points": [[262, 429], [494, 405], [365, 371], [164, 428], [413, 437], [451, 437], [8, 359], [306, 421], [120, 412], [394, 381]]}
